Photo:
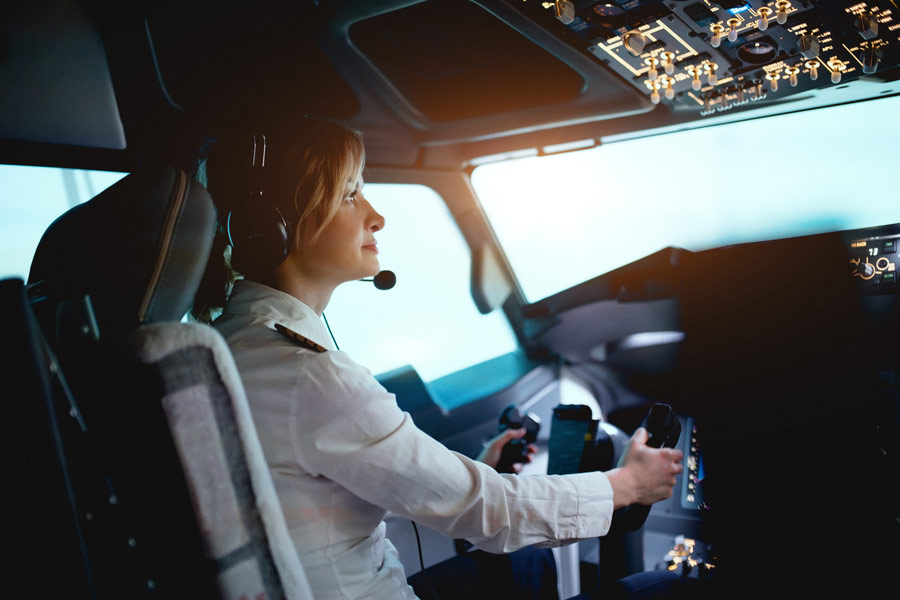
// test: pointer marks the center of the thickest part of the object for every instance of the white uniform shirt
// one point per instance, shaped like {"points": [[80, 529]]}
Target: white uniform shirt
{"points": [[342, 453]]}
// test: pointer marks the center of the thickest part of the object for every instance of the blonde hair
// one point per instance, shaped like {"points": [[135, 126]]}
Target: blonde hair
{"points": [[311, 163], [315, 171]]}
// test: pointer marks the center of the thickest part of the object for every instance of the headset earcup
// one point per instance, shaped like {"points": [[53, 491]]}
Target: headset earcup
{"points": [[260, 237]]}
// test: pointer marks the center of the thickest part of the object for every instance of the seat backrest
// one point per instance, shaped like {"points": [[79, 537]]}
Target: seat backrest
{"points": [[171, 491], [233, 495]]}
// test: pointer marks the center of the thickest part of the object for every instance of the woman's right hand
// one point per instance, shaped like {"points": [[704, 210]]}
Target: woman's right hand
{"points": [[645, 475]]}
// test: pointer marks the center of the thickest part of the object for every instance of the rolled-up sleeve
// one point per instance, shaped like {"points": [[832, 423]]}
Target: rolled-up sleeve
{"points": [[348, 428]]}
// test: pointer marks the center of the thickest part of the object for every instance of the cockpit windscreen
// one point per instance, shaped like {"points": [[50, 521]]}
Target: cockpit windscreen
{"points": [[565, 218]]}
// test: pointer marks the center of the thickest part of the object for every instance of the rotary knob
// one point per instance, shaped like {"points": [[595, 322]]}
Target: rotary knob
{"points": [[865, 269], [867, 25], [809, 46], [635, 41], [565, 11], [870, 58]]}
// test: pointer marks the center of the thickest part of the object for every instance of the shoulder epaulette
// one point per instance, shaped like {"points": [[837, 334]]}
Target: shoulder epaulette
{"points": [[300, 340]]}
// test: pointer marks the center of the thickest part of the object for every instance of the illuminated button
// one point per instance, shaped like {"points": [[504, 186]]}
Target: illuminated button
{"points": [[668, 61], [732, 29], [696, 84], [654, 94], [792, 75], [758, 91], [837, 67], [716, 39], [652, 62], [813, 66], [889, 246], [669, 82], [764, 13], [781, 11], [711, 76], [889, 277]]}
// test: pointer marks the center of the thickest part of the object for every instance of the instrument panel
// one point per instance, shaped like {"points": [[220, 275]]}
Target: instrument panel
{"points": [[710, 56], [874, 260]]}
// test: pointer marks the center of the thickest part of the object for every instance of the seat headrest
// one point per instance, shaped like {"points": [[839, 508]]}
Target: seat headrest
{"points": [[138, 249]]}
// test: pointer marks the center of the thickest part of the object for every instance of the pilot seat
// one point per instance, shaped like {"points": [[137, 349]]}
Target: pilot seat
{"points": [[136, 470]]}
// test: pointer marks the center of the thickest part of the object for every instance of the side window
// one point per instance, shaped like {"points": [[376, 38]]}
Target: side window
{"points": [[32, 198], [428, 319]]}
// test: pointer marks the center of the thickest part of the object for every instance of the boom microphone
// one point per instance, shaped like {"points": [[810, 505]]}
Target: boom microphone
{"points": [[385, 280]]}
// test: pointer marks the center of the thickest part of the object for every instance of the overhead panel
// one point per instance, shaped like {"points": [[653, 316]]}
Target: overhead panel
{"points": [[710, 56]]}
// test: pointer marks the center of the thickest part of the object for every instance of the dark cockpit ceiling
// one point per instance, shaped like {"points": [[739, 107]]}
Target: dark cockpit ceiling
{"points": [[439, 83], [414, 76]]}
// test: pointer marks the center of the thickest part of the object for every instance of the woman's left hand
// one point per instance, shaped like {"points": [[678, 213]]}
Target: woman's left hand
{"points": [[491, 453]]}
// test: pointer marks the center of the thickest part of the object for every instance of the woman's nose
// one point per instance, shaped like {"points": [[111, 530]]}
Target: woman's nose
{"points": [[376, 222]]}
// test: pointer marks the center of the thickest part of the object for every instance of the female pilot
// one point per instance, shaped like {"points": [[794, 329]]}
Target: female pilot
{"points": [[341, 452]]}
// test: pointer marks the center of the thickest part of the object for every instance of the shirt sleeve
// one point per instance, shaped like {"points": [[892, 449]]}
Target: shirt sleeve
{"points": [[345, 426]]}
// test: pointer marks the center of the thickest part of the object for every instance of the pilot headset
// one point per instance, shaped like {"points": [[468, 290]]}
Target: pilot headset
{"points": [[257, 230]]}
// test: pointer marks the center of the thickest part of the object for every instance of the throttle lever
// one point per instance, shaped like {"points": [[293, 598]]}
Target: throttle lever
{"points": [[516, 451]]}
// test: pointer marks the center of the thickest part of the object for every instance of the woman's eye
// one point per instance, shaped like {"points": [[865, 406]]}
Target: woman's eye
{"points": [[351, 198]]}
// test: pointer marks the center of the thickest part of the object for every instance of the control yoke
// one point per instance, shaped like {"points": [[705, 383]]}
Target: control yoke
{"points": [[664, 428]]}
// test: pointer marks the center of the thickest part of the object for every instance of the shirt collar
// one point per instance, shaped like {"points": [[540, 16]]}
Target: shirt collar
{"points": [[259, 300]]}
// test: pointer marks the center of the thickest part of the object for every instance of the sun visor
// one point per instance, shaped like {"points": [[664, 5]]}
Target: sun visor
{"points": [[55, 78]]}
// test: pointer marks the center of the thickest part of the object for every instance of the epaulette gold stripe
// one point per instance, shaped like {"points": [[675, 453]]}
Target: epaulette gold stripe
{"points": [[301, 340]]}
